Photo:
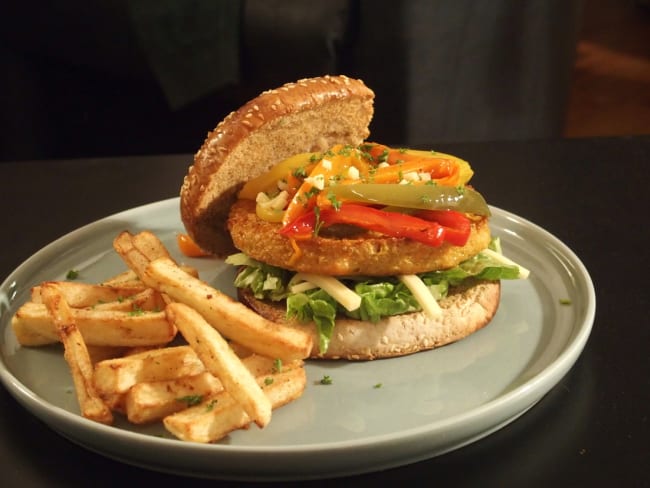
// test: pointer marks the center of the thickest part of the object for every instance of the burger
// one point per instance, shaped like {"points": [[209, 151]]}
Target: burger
{"points": [[376, 251]]}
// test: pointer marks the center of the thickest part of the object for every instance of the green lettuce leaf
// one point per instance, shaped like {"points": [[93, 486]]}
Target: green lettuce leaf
{"points": [[315, 306], [380, 296]]}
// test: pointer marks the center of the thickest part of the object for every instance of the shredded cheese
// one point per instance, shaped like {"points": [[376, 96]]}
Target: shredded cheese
{"points": [[422, 295], [302, 287], [337, 290]]}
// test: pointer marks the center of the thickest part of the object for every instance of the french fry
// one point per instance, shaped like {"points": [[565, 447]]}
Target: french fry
{"points": [[220, 414], [147, 300], [231, 318], [100, 353], [221, 361], [80, 295], [125, 277], [119, 374], [139, 250], [26, 329], [76, 355], [114, 377], [33, 326], [241, 351], [151, 401], [116, 341], [129, 280], [147, 402]]}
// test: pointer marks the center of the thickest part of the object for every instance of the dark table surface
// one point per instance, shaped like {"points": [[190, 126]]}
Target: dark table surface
{"points": [[592, 429]]}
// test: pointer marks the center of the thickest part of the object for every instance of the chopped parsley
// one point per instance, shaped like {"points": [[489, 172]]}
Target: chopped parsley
{"points": [[336, 203], [73, 274], [319, 222], [313, 191], [367, 156], [345, 150], [277, 365], [300, 172], [136, 311], [326, 380], [268, 381], [190, 400], [383, 157]]}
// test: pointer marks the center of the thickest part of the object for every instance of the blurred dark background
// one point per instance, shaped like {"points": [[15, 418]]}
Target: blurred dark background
{"points": [[125, 77]]}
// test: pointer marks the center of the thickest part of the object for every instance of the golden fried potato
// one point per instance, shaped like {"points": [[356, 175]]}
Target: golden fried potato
{"points": [[76, 355]]}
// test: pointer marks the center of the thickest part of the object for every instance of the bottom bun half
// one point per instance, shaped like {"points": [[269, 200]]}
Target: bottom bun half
{"points": [[466, 309]]}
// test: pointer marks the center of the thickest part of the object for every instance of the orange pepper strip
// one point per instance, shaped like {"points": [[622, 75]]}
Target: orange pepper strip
{"points": [[300, 203], [337, 165], [443, 171], [189, 248], [297, 252]]}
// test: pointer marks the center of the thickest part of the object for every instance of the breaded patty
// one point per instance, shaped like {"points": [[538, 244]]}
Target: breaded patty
{"points": [[362, 254]]}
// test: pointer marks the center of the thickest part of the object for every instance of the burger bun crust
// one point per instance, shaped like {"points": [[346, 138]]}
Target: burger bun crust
{"points": [[310, 115]]}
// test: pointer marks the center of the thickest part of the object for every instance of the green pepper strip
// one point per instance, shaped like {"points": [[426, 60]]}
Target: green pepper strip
{"points": [[426, 197]]}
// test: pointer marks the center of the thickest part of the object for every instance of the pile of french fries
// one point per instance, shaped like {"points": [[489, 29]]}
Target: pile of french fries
{"points": [[156, 343]]}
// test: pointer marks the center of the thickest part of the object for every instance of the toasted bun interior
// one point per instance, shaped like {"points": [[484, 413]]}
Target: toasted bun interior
{"points": [[309, 115], [466, 309]]}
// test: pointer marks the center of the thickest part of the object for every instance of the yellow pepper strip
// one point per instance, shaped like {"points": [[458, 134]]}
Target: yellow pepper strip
{"points": [[283, 170]]}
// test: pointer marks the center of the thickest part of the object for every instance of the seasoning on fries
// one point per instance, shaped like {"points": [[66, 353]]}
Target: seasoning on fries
{"points": [[221, 361], [76, 355], [126, 356], [232, 318]]}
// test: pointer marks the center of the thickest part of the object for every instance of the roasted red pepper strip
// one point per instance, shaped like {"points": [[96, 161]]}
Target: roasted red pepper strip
{"points": [[457, 225], [392, 224]]}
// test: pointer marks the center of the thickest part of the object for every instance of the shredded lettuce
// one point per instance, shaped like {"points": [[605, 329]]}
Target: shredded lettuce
{"points": [[481, 267], [265, 281], [380, 296]]}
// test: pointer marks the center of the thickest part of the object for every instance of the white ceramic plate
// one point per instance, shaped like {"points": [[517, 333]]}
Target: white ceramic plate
{"points": [[428, 403]]}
